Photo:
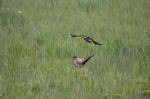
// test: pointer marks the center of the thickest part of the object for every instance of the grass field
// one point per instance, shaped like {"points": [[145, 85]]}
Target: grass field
{"points": [[36, 49]]}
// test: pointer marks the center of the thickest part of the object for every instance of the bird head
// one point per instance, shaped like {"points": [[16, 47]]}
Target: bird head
{"points": [[74, 57], [86, 37]]}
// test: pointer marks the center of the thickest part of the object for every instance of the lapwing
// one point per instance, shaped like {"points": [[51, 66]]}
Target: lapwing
{"points": [[86, 38]]}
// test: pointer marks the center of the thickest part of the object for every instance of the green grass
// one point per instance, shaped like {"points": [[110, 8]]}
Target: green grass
{"points": [[36, 49]]}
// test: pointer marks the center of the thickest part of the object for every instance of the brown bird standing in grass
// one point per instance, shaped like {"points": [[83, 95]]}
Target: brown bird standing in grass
{"points": [[86, 38], [78, 62]]}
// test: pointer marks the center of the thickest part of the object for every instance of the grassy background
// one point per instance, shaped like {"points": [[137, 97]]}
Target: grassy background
{"points": [[36, 49]]}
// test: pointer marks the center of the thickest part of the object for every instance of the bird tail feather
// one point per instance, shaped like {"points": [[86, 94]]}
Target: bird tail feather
{"points": [[87, 59]]}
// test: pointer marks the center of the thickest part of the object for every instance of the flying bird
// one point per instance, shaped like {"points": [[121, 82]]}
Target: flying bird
{"points": [[86, 38], [79, 62]]}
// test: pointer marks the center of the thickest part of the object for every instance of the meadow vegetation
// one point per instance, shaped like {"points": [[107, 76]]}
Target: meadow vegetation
{"points": [[36, 49]]}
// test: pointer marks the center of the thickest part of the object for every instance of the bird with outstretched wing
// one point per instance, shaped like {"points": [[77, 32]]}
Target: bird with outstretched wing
{"points": [[86, 38]]}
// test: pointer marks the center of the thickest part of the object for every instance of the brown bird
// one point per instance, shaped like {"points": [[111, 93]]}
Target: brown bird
{"points": [[79, 62], [86, 38]]}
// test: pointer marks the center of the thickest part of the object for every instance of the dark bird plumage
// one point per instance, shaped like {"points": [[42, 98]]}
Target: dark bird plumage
{"points": [[86, 38]]}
